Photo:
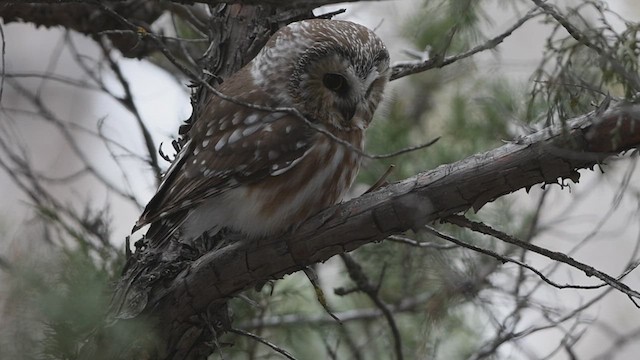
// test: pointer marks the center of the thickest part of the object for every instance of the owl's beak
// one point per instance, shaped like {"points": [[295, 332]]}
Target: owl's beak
{"points": [[348, 112]]}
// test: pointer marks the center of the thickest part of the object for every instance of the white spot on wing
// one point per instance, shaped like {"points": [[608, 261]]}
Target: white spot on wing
{"points": [[251, 119], [250, 130], [273, 116], [236, 118], [235, 135], [222, 142]]}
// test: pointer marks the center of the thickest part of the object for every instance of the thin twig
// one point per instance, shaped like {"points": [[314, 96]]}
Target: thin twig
{"points": [[506, 259], [553, 255], [583, 39], [49, 115], [405, 305], [4, 70], [274, 347], [129, 104], [55, 77], [407, 68], [423, 244], [363, 284]]}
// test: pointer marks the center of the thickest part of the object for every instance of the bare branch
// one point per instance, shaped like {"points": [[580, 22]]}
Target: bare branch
{"points": [[412, 67], [263, 341], [505, 259], [47, 114], [363, 284], [4, 69], [423, 244], [405, 305], [634, 78], [127, 101], [553, 255]]}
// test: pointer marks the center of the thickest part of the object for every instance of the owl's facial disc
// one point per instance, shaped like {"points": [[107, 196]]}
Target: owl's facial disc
{"points": [[350, 96], [336, 76]]}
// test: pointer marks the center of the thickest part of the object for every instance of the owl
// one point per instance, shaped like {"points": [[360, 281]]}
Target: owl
{"points": [[263, 172]]}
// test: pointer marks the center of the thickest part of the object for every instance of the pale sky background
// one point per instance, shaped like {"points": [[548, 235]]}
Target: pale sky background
{"points": [[164, 105]]}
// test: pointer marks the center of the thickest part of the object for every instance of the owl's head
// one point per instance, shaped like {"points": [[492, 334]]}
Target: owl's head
{"points": [[333, 72]]}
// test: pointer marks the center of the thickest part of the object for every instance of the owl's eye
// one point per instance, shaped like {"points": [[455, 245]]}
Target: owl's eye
{"points": [[336, 83]]}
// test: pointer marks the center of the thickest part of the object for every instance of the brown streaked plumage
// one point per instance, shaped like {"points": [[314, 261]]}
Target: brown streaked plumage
{"points": [[261, 172]]}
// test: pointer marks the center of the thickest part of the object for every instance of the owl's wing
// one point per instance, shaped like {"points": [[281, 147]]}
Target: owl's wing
{"points": [[239, 146]]}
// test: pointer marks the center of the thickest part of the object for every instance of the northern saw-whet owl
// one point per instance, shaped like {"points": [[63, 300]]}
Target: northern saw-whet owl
{"points": [[263, 172]]}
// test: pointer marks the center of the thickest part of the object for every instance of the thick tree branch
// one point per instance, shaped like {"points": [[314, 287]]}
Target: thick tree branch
{"points": [[86, 18], [185, 289], [128, 23], [543, 157]]}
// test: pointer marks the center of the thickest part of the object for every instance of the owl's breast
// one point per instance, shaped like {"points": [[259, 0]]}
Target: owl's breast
{"points": [[276, 203]]}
